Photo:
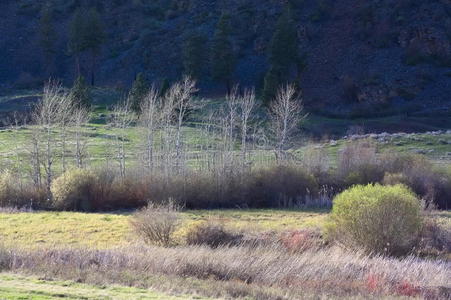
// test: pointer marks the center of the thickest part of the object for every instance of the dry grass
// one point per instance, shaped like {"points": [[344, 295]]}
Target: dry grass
{"points": [[156, 224], [330, 271]]}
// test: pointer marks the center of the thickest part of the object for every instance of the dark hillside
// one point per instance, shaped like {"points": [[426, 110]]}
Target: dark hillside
{"points": [[361, 57]]}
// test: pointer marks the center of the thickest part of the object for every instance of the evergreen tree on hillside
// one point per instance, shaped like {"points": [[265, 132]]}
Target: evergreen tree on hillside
{"points": [[283, 54], [47, 36], [194, 55], [94, 38], [81, 93], [223, 60], [86, 34], [76, 39], [139, 90]]}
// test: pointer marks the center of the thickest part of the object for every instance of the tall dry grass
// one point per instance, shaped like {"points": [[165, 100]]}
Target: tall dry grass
{"points": [[329, 271]]}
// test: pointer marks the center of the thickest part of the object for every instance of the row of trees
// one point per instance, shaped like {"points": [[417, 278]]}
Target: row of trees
{"points": [[228, 132], [86, 35], [285, 63]]}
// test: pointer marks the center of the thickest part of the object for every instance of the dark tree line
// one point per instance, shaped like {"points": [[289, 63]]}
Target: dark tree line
{"points": [[201, 56], [284, 60]]}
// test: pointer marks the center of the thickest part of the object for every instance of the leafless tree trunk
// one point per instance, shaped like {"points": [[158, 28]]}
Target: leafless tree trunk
{"points": [[47, 116], [232, 106], [150, 119], [122, 119], [35, 155], [183, 92], [80, 117], [286, 113], [65, 118], [247, 105]]}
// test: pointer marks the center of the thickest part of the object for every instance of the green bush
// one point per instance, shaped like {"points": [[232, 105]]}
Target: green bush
{"points": [[74, 190], [381, 219]]}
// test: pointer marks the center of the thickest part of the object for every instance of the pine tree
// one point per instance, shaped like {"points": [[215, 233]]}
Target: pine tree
{"points": [[139, 89], [223, 60], [194, 55], [283, 54], [81, 93], [94, 37], [77, 42], [86, 34], [47, 36]]}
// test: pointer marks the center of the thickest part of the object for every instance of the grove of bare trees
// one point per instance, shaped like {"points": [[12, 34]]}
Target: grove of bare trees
{"points": [[176, 132]]}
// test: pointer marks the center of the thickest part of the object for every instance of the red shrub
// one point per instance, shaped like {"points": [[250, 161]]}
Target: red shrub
{"points": [[301, 240]]}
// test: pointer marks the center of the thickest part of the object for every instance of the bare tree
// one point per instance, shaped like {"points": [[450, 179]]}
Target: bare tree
{"points": [[47, 116], [286, 113], [184, 92], [122, 119], [177, 104], [65, 119], [247, 105], [150, 119], [80, 117], [232, 111], [35, 156]]}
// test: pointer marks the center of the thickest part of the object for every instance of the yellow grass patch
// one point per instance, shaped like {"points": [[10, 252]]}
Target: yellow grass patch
{"points": [[108, 230]]}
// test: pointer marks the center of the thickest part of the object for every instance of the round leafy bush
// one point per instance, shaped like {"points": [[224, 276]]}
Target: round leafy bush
{"points": [[74, 190], [381, 219]]}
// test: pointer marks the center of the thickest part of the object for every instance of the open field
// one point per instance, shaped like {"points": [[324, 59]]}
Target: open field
{"points": [[100, 231], [244, 253], [100, 138], [20, 287]]}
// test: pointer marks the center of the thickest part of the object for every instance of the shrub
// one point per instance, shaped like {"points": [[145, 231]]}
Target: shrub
{"points": [[74, 190], [381, 219], [15, 194], [5, 258], [156, 223], [301, 240], [8, 190], [281, 186], [358, 164], [435, 239], [211, 234], [432, 183], [316, 161]]}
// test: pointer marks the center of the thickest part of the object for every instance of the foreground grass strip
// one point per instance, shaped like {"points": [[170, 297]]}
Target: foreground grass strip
{"points": [[102, 231], [242, 270], [20, 287]]}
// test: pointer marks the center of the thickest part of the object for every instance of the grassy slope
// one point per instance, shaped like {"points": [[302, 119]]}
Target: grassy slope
{"points": [[20, 287], [66, 229], [101, 138]]}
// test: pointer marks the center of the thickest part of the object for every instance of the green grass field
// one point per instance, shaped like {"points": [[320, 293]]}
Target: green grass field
{"points": [[20, 287], [100, 138], [97, 230]]}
